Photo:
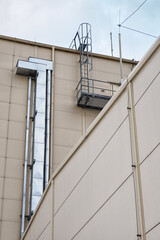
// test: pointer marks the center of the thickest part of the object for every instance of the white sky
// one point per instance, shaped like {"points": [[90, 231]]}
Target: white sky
{"points": [[56, 22]]}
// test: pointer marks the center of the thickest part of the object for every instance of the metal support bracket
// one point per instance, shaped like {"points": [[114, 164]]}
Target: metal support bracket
{"points": [[29, 216], [31, 165], [139, 235], [33, 117], [133, 165]]}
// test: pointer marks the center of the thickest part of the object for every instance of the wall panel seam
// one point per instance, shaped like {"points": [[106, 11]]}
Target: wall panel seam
{"points": [[102, 205], [43, 230], [147, 89], [156, 225], [150, 153], [91, 165]]}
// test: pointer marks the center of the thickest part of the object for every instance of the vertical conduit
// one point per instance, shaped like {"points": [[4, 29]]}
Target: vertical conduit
{"points": [[136, 167], [48, 103], [26, 158], [32, 151], [47, 130]]}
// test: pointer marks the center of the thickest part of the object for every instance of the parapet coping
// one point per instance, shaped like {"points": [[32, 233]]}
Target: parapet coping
{"points": [[63, 49]]}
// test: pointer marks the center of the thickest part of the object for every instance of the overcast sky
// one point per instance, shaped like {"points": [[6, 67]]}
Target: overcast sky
{"points": [[56, 22]]}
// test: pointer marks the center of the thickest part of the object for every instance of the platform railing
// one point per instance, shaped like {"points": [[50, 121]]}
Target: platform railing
{"points": [[96, 87]]}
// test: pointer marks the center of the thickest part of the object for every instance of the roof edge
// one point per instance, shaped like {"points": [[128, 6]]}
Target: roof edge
{"points": [[144, 59], [50, 46]]}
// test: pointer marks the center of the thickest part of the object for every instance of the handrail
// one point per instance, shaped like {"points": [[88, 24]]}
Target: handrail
{"points": [[105, 89], [97, 80], [92, 87], [74, 41]]}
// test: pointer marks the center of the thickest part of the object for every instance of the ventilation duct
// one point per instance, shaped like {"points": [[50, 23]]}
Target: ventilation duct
{"points": [[40, 71]]}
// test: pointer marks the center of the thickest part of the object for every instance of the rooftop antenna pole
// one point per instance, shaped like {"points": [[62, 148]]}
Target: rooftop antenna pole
{"points": [[120, 51], [110, 33], [111, 44]]}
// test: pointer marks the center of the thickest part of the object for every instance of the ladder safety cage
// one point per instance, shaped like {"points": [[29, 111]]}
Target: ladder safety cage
{"points": [[82, 42]]}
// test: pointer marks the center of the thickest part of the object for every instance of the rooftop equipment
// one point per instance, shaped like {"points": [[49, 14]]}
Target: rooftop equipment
{"points": [[91, 93]]}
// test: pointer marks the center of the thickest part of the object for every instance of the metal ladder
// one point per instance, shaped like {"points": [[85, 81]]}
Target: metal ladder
{"points": [[83, 43]]}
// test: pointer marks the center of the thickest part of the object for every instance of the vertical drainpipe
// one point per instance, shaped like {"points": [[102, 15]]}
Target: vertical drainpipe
{"points": [[136, 166], [26, 157], [32, 151], [51, 113], [47, 147]]}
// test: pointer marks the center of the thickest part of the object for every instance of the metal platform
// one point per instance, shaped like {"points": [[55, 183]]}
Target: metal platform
{"points": [[94, 101], [94, 94]]}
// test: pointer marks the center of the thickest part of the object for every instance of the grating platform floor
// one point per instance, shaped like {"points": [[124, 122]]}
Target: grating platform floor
{"points": [[94, 101]]}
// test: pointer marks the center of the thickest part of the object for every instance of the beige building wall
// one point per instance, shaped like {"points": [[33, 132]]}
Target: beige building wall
{"points": [[69, 122], [108, 186], [13, 100]]}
